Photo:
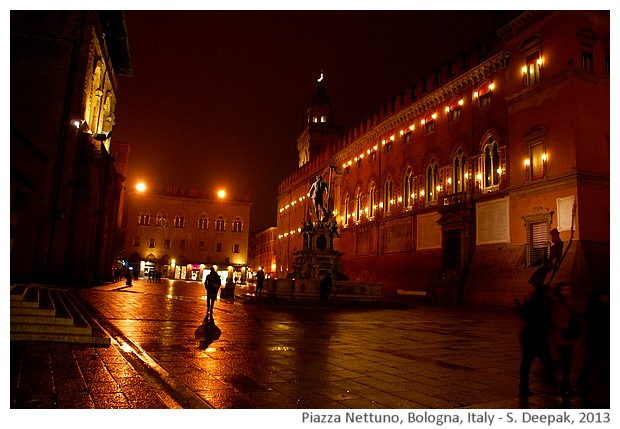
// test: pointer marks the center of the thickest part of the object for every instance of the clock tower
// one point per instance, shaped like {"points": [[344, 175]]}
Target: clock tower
{"points": [[320, 135]]}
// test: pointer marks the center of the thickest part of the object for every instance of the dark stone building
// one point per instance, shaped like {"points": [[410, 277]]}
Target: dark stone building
{"points": [[64, 185]]}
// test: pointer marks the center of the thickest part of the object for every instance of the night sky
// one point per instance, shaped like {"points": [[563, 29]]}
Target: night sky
{"points": [[217, 98]]}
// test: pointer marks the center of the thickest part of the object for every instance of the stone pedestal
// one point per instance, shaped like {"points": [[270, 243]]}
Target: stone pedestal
{"points": [[318, 257]]}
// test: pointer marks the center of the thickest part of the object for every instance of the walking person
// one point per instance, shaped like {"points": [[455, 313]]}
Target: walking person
{"points": [[128, 276], [212, 285], [536, 314], [325, 286], [565, 331], [260, 280]]}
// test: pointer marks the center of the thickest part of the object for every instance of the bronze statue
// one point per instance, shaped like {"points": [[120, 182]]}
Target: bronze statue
{"points": [[317, 190]]}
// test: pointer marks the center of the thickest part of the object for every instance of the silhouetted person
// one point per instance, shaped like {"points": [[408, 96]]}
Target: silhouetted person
{"points": [[597, 344], [128, 276], [260, 281], [212, 285], [325, 286], [317, 190], [555, 252], [565, 331], [536, 314]]}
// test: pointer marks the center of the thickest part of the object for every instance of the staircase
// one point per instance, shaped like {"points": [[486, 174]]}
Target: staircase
{"points": [[41, 313]]}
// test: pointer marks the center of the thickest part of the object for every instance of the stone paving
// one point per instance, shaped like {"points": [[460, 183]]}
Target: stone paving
{"points": [[266, 355]]}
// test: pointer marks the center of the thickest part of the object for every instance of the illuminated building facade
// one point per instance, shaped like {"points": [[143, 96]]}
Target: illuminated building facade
{"points": [[182, 233], [263, 251], [64, 186], [450, 190]]}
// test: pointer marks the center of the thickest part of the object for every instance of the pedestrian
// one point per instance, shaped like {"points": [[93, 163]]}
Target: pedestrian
{"points": [[212, 285], [158, 276], [555, 251], [596, 342], [128, 276], [536, 314], [150, 276], [564, 332], [325, 286], [260, 280]]}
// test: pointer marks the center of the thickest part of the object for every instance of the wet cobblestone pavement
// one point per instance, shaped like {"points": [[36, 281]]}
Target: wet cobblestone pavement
{"points": [[265, 355]]}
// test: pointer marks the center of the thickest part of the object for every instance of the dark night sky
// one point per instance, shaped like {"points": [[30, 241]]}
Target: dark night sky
{"points": [[217, 97]]}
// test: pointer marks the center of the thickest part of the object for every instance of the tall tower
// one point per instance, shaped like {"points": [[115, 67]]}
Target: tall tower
{"points": [[319, 134]]}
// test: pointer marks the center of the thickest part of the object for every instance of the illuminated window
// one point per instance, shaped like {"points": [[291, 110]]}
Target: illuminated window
{"points": [[459, 172], [372, 200], [161, 220], [454, 109], [346, 207], [491, 164], [145, 218], [237, 225], [429, 122], [432, 181], [358, 206], [388, 196], [179, 221], [220, 224], [484, 93], [408, 188], [537, 161], [203, 223], [531, 69]]}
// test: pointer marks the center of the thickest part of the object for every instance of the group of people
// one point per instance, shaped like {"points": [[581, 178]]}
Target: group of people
{"points": [[552, 324], [154, 276]]}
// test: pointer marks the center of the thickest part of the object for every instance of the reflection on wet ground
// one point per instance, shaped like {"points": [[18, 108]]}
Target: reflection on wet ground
{"points": [[259, 355]]}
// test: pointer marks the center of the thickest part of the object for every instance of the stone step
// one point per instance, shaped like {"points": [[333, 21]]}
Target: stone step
{"points": [[57, 317]]}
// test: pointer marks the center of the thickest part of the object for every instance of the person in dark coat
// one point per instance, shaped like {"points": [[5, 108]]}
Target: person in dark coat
{"points": [[260, 281], [212, 285], [536, 314], [325, 285]]}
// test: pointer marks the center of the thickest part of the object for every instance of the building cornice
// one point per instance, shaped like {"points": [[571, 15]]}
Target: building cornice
{"points": [[430, 101]]}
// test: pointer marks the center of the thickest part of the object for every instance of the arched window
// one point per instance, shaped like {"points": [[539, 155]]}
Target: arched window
{"points": [[491, 164], [346, 209], [372, 200], [459, 172], [179, 220], [432, 181], [388, 196], [161, 219], [484, 93], [454, 109], [408, 188], [237, 225], [203, 223], [220, 224], [145, 218]]}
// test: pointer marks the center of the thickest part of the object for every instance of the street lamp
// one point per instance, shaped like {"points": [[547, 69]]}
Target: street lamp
{"points": [[140, 187]]}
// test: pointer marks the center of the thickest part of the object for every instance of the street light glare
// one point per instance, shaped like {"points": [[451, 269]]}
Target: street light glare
{"points": [[221, 193], [141, 187]]}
